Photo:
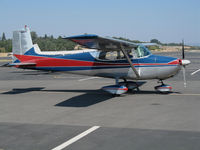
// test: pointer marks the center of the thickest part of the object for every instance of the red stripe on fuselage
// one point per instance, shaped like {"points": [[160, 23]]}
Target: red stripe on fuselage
{"points": [[175, 62]]}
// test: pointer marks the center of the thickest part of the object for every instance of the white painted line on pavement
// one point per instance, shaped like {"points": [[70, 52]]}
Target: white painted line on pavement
{"points": [[90, 78], [195, 72], [187, 94], [76, 138]]}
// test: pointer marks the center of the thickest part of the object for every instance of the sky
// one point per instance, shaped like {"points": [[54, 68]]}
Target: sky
{"points": [[165, 20]]}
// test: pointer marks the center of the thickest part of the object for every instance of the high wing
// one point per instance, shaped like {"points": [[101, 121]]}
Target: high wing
{"points": [[101, 43], [106, 44]]}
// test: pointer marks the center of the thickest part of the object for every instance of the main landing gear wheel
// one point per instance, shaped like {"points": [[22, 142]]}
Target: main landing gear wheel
{"points": [[131, 85], [163, 88], [117, 89]]}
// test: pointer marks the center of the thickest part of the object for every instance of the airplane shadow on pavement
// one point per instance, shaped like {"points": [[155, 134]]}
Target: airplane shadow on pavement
{"points": [[22, 90], [87, 97], [90, 97]]}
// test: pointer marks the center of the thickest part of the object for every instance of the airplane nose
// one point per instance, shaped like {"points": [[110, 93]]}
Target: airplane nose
{"points": [[185, 62]]}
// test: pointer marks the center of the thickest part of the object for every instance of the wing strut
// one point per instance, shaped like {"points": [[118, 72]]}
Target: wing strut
{"points": [[129, 60]]}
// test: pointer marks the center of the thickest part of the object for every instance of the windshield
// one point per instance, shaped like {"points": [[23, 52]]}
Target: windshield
{"points": [[142, 51]]}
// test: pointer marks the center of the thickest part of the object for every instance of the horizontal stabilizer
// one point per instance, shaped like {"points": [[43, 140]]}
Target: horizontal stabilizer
{"points": [[23, 64], [6, 65]]}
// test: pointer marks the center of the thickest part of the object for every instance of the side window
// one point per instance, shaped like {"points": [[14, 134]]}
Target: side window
{"points": [[135, 53], [102, 55], [110, 55]]}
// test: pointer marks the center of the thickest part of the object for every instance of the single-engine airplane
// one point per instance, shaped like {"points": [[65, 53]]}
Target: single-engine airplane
{"points": [[105, 57]]}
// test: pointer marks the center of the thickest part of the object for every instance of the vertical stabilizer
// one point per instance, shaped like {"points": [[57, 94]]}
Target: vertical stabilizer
{"points": [[21, 42]]}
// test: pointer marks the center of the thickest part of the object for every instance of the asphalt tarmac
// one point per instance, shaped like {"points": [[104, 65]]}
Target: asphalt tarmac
{"points": [[44, 110]]}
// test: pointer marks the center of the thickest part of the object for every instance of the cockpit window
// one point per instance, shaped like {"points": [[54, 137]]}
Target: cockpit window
{"points": [[111, 55], [139, 51], [142, 51]]}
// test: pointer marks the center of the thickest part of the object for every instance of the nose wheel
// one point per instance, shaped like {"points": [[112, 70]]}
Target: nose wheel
{"points": [[163, 88]]}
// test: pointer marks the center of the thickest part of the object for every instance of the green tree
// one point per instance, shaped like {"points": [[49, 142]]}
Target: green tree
{"points": [[45, 36], [34, 36], [59, 37], [155, 41], [3, 37], [51, 37]]}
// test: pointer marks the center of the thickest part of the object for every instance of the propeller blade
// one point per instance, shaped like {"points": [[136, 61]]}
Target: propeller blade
{"points": [[184, 63], [183, 50], [184, 77]]}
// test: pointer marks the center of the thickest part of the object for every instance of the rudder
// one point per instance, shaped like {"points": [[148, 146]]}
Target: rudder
{"points": [[21, 43]]}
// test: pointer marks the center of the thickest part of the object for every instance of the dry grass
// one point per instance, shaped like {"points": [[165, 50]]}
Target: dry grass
{"points": [[173, 48], [4, 54]]}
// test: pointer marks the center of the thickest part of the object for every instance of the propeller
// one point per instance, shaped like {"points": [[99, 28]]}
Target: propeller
{"points": [[184, 62], [183, 66]]}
